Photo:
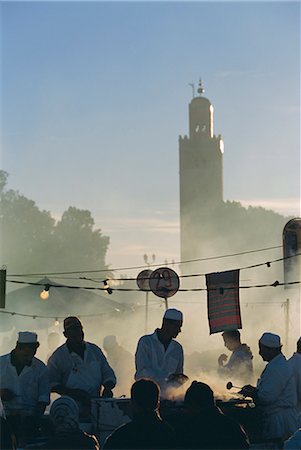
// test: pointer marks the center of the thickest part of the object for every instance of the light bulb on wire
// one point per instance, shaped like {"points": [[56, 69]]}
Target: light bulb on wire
{"points": [[107, 287], [45, 293]]}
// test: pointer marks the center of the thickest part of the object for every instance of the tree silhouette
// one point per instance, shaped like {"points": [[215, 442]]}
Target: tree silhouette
{"points": [[31, 240]]}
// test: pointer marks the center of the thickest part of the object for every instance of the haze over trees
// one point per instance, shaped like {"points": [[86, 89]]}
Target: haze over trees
{"points": [[32, 241]]}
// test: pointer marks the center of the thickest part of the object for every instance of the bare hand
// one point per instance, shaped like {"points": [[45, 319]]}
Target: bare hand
{"points": [[248, 391], [221, 359]]}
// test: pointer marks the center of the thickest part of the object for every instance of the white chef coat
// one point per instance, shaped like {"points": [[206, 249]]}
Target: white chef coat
{"points": [[70, 370], [276, 394], [154, 362], [30, 387]]}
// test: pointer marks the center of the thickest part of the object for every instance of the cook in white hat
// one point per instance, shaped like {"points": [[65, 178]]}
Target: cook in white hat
{"points": [[24, 384], [159, 356], [275, 392]]}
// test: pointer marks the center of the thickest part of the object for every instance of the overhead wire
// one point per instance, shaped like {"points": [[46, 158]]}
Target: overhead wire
{"points": [[266, 263], [145, 265]]}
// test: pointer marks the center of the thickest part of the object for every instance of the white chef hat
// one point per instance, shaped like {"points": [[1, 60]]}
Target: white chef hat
{"points": [[270, 340], [27, 337], [173, 314]]}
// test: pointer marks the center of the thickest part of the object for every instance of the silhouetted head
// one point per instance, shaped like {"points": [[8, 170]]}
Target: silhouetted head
{"points": [[145, 395], [172, 322], [198, 396], [64, 414], [109, 343], [269, 346], [26, 346], [73, 330], [231, 339]]}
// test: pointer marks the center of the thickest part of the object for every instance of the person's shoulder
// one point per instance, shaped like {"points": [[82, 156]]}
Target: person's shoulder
{"points": [[94, 348], [177, 344], [280, 365], [295, 358], [91, 440], [116, 438], [39, 363], [229, 423], [62, 348], [147, 337], [4, 358]]}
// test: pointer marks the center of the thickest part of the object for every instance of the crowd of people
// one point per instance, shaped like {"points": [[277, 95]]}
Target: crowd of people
{"points": [[78, 371]]}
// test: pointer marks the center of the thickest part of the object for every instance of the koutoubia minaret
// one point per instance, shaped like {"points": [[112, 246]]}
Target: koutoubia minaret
{"points": [[201, 177]]}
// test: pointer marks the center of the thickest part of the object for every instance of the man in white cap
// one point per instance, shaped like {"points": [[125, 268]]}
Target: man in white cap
{"points": [[295, 362], [79, 369], [275, 393], [158, 356], [24, 386]]}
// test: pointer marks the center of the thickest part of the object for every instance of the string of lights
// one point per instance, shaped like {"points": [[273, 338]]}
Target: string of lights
{"points": [[246, 304], [56, 318], [107, 288], [106, 281], [146, 266]]}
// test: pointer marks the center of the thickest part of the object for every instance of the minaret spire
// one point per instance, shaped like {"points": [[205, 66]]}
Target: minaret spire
{"points": [[201, 89]]}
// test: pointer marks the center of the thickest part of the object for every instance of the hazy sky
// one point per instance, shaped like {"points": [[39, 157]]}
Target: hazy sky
{"points": [[95, 95]]}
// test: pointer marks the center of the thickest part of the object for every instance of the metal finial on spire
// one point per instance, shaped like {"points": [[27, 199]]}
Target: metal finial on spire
{"points": [[201, 89]]}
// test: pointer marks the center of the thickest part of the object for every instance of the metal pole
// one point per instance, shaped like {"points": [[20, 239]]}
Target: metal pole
{"points": [[286, 322], [146, 311], [166, 303]]}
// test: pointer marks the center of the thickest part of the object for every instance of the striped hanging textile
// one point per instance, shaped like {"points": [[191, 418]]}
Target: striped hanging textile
{"points": [[223, 301]]}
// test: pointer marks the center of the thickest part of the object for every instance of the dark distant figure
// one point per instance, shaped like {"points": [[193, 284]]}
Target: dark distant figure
{"points": [[240, 365], [122, 362], [64, 416], [53, 342], [203, 425], [147, 430]]}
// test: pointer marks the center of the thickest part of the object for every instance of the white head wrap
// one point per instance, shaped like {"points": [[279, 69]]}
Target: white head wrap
{"points": [[64, 413]]}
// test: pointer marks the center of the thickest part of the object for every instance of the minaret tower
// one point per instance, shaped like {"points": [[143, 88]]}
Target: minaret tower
{"points": [[201, 176]]}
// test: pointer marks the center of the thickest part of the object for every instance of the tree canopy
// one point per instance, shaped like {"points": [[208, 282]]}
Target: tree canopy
{"points": [[32, 241]]}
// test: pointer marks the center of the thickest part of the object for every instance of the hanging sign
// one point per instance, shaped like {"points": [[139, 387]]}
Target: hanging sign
{"points": [[143, 279], [164, 282]]}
